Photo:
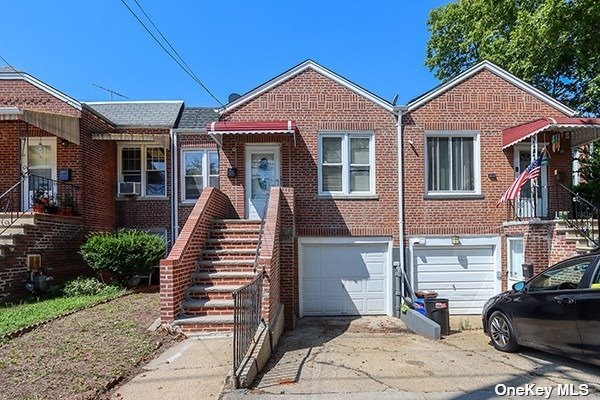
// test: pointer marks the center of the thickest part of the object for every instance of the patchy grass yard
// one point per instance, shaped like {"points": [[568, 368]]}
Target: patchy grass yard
{"points": [[15, 317], [78, 355]]}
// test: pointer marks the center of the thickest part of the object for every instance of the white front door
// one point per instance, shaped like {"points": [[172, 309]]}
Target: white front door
{"points": [[515, 259], [262, 172], [345, 276], [531, 202], [39, 158]]}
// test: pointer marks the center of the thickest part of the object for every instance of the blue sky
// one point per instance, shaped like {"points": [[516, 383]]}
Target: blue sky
{"points": [[232, 46]]}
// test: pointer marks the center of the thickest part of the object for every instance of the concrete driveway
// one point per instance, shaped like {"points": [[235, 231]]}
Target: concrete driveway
{"points": [[377, 358]]}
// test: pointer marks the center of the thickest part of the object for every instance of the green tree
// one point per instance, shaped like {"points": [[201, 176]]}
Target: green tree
{"points": [[553, 44]]}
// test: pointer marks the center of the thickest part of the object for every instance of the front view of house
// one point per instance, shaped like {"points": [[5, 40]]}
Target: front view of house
{"points": [[327, 189]]}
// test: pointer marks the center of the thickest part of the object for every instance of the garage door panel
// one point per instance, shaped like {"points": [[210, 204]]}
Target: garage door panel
{"points": [[463, 274], [344, 279]]}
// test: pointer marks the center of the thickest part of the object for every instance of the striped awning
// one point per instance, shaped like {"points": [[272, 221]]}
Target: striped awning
{"points": [[63, 126], [516, 134], [162, 139], [250, 127]]}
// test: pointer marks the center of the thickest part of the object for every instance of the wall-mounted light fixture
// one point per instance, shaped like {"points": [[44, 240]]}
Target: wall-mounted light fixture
{"points": [[64, 143], [492, 176], [455, 240]]}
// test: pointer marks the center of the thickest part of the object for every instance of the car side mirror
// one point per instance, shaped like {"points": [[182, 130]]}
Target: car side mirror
{"points": [[519, 286]]}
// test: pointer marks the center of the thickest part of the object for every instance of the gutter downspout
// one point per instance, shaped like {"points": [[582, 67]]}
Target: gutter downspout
{"points": [[400, 269], [175, 188]]}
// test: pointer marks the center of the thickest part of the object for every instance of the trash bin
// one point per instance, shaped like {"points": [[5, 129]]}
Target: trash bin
{"points": [[438, 310], [419, 305]]}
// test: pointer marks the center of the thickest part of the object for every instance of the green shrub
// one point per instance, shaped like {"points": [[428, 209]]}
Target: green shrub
{"points": [[125, 253], [88, 287]]}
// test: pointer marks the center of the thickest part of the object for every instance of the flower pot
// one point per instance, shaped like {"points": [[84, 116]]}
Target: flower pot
{"points": [[38, 208]]}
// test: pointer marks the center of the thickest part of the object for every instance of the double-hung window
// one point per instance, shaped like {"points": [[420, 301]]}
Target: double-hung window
{"points": [[200, 168], [452, 163], [346, 164], [144, 164]]}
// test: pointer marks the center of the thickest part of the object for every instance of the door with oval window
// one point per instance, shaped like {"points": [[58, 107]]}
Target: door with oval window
{"points": [[262, 173]]}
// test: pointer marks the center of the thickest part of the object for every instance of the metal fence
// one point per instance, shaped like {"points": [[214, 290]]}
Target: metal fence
{"points": [[247, 316], [581, 214]]}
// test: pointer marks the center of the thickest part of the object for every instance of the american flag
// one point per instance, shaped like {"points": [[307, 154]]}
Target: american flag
{"points": [[531, 172]]}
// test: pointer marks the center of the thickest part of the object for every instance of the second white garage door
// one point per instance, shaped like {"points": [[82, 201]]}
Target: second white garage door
{"points": [[464, 275], [345, 278]]}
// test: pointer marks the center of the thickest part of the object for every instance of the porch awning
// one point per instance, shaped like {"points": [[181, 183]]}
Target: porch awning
{"points": [[516, 134], [63, 126], [250, 127], [163, 139]]}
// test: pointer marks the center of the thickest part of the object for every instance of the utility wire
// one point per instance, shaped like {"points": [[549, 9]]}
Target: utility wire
{"points": [[182, 64]]}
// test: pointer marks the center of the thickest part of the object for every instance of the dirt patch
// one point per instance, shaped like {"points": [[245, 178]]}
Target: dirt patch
{"points": [[79, 356]]}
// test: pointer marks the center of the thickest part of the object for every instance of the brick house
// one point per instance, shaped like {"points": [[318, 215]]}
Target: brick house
{"points": [[302, 178]]}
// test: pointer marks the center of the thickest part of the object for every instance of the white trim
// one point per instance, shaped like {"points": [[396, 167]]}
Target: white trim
{"points": [[509, 240], [33, 141], [349, 240], [41, 85], [346, 136], [476, 162], [205, 170], [135, 102], [496, 70], [465, 241], [248, 150], [308, 64], [143, 146]]}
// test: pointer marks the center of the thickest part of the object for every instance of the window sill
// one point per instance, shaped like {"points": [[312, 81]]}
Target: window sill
{"points": [[141, 198], [453, 197], [348, 197]]}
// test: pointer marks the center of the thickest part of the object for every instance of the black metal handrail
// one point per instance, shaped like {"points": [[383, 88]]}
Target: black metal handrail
{"points": [[10, 205], [247, 317], [581, 215], [40, 194]]}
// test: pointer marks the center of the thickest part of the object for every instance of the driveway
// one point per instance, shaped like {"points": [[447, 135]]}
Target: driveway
{"points": [[378, 358]]}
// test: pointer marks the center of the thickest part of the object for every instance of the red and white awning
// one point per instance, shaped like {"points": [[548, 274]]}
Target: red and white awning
{"points": [[516, 134], [250, 127]]}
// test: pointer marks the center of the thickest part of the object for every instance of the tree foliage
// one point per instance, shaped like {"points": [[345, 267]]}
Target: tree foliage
{"points": [[553, 44]]}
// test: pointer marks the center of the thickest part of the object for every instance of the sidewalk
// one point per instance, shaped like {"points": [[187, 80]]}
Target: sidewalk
{"points": [[195, 368]]}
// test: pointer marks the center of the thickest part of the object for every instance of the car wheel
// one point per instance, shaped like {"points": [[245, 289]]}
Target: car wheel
{"points": [[502, 332]]}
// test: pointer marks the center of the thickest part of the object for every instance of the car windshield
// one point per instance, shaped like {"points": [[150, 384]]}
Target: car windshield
{"points": [[563, 276]]}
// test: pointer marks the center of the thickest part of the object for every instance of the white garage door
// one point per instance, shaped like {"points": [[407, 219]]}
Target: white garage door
{"points": [[464, 275], [344, 279]]}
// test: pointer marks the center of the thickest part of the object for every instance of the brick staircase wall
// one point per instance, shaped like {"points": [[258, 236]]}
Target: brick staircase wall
{"points": [[177, 269], [57, 238]]}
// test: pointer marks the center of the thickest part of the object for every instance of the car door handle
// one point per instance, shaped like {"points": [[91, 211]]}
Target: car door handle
{"points": [[564, 300]]}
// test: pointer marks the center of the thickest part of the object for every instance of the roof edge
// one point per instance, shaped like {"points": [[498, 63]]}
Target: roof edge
{"points": [[496, 70], [24, 76], [290, 73]]}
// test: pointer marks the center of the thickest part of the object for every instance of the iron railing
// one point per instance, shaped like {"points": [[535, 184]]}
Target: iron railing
{"points": [[581, 215], [247, 317], [40, 194]]}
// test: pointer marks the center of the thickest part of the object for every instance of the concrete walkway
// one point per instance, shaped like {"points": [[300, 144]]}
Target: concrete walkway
{"points": [[193, 369]]}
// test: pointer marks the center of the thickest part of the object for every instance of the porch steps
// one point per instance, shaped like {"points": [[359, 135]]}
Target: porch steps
{"points": [[16, 230], [582, 244], [225, 265]]}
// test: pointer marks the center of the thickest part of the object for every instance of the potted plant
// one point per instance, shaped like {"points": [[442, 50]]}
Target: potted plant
{"points": [[65, 204], [51, 206], [39, 200]]}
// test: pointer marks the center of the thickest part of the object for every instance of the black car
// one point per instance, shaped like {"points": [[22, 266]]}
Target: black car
{"points": [[557, 310]]}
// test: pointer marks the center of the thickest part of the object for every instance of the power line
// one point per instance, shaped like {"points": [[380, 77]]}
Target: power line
{"points": [[182, 64]]}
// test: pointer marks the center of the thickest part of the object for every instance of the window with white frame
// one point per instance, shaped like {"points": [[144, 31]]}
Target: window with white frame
{"points": [[346, 164], [452, 162], [200, 168], [145, 164]]}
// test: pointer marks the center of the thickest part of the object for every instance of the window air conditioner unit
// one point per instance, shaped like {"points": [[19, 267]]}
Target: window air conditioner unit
{"points": [[130, 188]]}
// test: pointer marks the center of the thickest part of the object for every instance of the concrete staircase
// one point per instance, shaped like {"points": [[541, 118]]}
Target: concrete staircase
{"points": [[582, 244], [226, 264], [9, 236]]}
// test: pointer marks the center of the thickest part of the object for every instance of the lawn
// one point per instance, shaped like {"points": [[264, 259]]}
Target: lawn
{"points": [[15, 317], [80, 355]]}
